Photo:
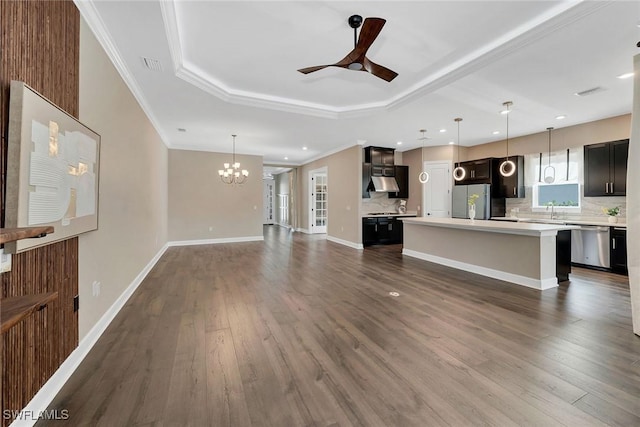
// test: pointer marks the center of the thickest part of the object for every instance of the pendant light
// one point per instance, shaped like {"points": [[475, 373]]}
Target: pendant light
{"points": [[508, 167], [458, 173], [423, 177], [549, 171]]}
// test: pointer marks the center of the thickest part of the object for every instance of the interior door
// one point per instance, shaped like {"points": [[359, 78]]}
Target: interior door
{"points": [[268, 213], [319, 208], [436, 194]]}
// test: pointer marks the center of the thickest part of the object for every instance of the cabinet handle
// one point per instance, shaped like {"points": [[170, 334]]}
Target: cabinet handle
{"points": [[606, 190], [613, 243], [514, 191], [611, 186], [390, 227], [376, 229]]}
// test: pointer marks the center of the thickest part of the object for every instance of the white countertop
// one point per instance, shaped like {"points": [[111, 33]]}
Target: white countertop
{"points": [[507, 227], [376, 215], [602, 222]]}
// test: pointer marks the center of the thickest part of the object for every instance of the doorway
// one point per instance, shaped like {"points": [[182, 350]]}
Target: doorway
{"points": [[318, 201], [267, 191], [436, 193]]}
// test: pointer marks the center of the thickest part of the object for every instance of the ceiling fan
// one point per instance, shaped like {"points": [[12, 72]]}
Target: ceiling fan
{"points": [[356, 59]]}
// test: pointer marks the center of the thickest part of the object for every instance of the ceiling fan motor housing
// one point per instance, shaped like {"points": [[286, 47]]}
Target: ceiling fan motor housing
{"points": [[355, 21]]}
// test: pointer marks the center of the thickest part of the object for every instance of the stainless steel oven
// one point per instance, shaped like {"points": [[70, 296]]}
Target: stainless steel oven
{"points": [[590, 246]]}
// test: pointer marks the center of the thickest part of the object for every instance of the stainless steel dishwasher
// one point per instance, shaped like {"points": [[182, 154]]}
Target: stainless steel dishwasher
{"points": [[590, 246]]}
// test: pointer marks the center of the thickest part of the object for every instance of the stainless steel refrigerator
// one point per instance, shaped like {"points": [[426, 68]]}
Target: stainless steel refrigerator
{"points": [[460, 205]]}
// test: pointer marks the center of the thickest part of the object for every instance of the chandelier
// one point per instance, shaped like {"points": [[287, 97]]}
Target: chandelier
{"points": [[231, 174]]}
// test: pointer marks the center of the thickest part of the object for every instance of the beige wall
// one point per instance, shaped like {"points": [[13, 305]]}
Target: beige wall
{"points": [[413, 159], [344, 181], [133, 185], [201, 206], [610, 129]]}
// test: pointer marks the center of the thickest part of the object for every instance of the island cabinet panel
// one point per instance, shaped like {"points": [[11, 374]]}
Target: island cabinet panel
{"points": [[605, 168], [618, 250]]}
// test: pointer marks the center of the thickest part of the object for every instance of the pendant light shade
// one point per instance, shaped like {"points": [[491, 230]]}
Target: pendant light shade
{"points": [[423, 177], [458, 173], [549, 171], [507, 167]]}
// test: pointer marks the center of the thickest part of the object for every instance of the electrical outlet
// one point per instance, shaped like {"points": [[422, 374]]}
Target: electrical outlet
{"points": [[96, 288], [5, 262]]}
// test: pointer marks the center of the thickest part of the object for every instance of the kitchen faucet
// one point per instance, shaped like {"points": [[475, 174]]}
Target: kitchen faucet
{"points": [[552, 205]]}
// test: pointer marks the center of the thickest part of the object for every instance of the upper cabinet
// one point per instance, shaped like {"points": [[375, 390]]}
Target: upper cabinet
{"points": [[510, 186], [402, 178], [605, 168], [477, 171], [379, 156]]}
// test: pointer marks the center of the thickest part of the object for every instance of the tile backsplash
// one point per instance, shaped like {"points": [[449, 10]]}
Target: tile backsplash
{"points": [[379, 202], [591, 207]]}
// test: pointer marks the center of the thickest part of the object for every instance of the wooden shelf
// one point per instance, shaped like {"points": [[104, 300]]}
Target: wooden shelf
{"points": [[13, 234], [14, 309]]}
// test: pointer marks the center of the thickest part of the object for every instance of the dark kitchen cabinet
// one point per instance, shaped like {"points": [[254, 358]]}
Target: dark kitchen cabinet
{"points": [[510, 186], [477, 171], [383, 230], [402, 178], [618, 250], [366, 179], [605, 168], [379, 156], [369, 231]]}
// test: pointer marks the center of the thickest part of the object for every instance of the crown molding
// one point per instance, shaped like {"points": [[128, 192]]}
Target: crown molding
{"points": [[554, 19], [92, 17]]}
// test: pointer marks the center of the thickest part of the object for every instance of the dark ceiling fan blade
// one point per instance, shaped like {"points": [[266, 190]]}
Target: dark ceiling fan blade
{"points": [[312, 69], [369, 32], [378, 70]]}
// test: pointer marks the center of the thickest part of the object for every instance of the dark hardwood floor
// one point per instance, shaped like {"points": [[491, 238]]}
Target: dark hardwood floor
{"points": [[299, 331]]}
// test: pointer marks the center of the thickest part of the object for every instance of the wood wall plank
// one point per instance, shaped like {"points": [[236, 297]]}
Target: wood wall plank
{"points": [[39, 43]]}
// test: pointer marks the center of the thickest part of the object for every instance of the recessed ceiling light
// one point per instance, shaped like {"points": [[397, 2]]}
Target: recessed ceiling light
{"points": [[496, 132], [286, 158], [451, 142], [399, 143], [625, 75], [304, 148], [560, 117], [182, 130], [443, 130]]}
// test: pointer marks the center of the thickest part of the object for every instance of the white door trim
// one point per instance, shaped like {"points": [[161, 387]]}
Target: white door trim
{"points": [[311, 199]]}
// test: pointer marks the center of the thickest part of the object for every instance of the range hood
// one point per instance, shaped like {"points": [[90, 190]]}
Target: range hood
{"points": [[384, 184]]}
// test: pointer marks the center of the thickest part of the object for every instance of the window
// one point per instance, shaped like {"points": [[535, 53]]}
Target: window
{"points": [[566, 195], [565, 192]]}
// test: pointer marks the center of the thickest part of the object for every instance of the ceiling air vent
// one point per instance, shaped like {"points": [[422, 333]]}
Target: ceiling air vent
{"points": [[152, 64], [589, 91]]}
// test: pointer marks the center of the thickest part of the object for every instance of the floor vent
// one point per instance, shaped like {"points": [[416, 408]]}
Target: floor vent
{"points": [[394, 294], [152, 64]]}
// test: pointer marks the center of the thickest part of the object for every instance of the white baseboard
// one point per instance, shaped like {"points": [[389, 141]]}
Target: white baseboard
{"points": [[215, 241], [540, 284], [303, 230], [50, 389], [345, 242]]}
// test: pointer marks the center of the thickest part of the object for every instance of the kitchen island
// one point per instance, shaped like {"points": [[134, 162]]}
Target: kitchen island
{"points": [[533, 255]]}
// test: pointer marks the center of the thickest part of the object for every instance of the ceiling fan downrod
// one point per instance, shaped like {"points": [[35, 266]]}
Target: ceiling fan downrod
{"points": [[354, 22]]}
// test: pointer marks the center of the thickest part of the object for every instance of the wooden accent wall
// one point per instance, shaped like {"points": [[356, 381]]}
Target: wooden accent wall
{"points": [[39, 43]]}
